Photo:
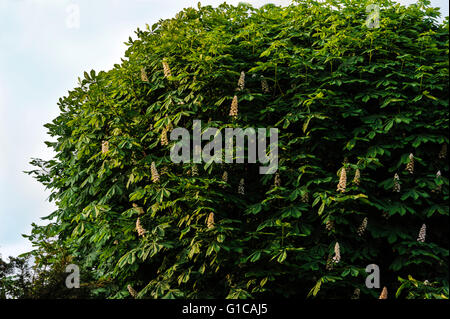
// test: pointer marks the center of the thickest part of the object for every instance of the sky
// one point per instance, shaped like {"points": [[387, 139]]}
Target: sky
{"points": [[45, 45]]}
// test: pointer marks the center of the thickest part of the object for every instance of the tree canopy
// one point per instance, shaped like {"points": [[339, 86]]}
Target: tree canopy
{"points": [[362, 114]]}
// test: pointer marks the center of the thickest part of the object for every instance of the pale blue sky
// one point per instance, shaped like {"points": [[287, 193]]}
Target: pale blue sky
{"points": [[43, 51]]}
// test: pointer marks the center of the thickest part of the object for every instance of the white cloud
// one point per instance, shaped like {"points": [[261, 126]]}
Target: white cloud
{"points": [[3, 102], [14, 249], [3, 153]]}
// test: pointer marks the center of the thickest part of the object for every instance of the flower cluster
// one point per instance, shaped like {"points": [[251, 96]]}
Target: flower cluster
{"points": [[396, 183], [140, 230], [422, 234], [264, 85], [132, 292], [342, 181], [277, 180], [384, 293], [362, 227], [357, 177], [410, 165], [241, 82], [105, 147], [337, 253], [155, 175], [210, 221], [144, 77], [234, 107], [166, 68], [241, 188]]}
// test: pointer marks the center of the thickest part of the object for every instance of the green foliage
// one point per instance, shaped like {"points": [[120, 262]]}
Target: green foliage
{"points": [[344, 96], [421, 290], [22, 278], [15, 276]]}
